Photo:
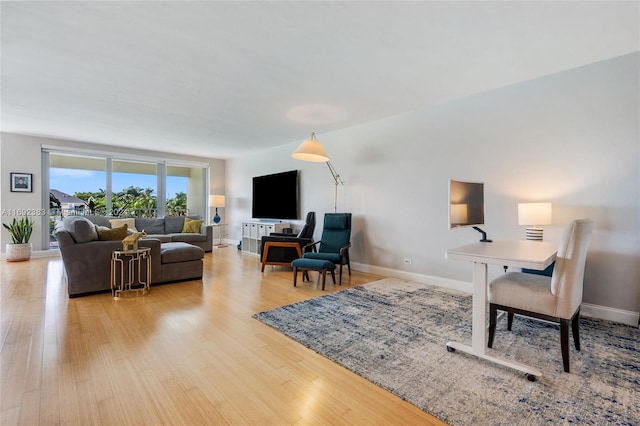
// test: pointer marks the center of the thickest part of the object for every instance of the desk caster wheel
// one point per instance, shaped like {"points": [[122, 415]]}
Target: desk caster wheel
{"points": [[530, 377], [450, 349]]}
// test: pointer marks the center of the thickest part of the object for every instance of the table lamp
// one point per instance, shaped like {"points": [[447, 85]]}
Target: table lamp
{"points": [[533, 215], [216, 201]]}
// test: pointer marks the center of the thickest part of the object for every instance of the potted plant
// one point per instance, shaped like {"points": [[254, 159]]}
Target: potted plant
{"points": [[20, 230]]}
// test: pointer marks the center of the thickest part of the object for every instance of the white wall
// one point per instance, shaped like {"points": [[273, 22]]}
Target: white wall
{"points": [[570, 138], [23, 153]]}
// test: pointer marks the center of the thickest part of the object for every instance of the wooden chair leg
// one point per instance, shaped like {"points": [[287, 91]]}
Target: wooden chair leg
{"points": [[324, 277], [295, 275], [509, 320], [575, 327], [341, 274], [564, 343], [333, 276], [493, 313], [264, 255]]}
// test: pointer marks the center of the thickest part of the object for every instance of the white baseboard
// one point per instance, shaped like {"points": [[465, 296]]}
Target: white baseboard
{"points": [[586, 310], [412, 276], [610, 314], [37, 254], [46, 253]]}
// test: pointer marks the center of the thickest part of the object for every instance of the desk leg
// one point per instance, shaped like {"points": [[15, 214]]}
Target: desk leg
{"points": [[479, 326]]}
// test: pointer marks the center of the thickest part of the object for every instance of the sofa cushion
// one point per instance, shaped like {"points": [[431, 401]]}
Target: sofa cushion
{"points": [[114, 234], [179, 252], [163, 238], [100, 220], [150, 225], [191, 225], [188, 237], [173, 224], [82, 230], [130, 221]]}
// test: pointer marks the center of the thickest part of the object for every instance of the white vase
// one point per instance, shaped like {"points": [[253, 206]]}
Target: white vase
{"points": [[18, 252]]}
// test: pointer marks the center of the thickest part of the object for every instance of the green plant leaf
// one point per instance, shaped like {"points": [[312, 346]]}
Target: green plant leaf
{"points": [[20, 230]]}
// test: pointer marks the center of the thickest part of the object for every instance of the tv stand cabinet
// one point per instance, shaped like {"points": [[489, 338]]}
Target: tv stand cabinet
{"points": [[253, 231]]}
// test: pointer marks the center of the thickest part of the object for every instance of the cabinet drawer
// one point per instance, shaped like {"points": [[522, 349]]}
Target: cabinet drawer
{"points": [[262, 231], [253, 230]]}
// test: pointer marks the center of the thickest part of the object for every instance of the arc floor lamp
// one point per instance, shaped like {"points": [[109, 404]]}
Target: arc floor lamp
{"points": [[312, 150]]}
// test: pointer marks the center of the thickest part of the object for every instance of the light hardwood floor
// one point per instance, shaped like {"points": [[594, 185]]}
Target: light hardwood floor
{"points": [[186, 354]]}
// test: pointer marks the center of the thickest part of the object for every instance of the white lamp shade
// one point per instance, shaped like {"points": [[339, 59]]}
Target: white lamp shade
{"points": [[534, 214], [310, 150], [216, 200]]}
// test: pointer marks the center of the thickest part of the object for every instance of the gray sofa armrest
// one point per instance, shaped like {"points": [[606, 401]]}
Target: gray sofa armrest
{"points": [[208, 231], [64, 238]]}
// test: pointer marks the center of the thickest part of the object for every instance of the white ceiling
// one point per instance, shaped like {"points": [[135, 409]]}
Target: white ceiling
{"points": [[216, 79]]}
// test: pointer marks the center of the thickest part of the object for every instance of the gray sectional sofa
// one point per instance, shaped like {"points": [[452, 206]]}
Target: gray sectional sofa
{"points": [[175, 256]]}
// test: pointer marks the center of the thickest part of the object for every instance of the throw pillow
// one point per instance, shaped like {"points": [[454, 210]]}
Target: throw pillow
{"points": [[173, 224], [152, 226], [191, 226], [131, 223], [114, 234]]}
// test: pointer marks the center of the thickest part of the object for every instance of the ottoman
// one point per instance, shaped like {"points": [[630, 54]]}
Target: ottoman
{"points": [[306, 265], [180, 261]]}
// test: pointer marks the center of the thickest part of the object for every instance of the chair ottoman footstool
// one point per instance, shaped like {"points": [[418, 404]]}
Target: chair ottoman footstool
{"points": [[305, 265]]}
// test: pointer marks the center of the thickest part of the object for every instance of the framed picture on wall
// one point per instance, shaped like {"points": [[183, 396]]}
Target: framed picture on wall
{"points": [[21, 182]]}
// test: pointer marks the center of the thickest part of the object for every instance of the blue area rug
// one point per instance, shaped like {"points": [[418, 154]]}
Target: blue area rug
{"points": [[394, 334]]}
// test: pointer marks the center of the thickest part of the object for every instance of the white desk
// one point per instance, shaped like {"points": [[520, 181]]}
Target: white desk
{"points": [[519, 254]]}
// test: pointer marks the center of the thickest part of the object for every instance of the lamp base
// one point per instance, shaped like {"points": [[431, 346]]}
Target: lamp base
{"points": [[216, 218], [534, 234]]}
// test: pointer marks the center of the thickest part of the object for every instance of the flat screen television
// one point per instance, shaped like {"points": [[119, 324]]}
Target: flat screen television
{"points": [[275, 196], [466, 205]]}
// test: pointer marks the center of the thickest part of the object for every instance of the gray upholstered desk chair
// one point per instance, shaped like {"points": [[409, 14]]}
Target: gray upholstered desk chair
{"points": [[556, 298]]}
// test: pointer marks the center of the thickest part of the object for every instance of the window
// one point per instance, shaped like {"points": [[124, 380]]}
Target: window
{"points": [[76, 187], [95, 184], [134, 189], [185, 189]]}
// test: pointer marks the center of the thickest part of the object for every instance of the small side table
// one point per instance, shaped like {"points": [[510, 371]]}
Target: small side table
{"points": [[126, 270], [220, 227]]}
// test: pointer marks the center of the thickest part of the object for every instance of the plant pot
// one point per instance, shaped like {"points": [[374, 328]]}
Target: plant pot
{"points": [[18, 252]]}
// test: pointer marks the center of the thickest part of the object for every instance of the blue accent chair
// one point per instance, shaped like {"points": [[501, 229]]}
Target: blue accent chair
{"points": [[335, 241]]}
